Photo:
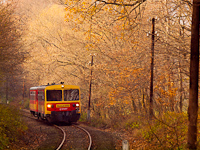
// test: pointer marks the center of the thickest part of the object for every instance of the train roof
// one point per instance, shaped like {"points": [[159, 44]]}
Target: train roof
{"points": [[37, 87], [55, 86]]}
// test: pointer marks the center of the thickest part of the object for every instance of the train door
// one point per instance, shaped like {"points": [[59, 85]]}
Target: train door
{"points": [[34, 101], [41, 102]]}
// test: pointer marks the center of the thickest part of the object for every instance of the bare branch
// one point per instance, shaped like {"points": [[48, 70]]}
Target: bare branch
{"points": [[121, 4]]}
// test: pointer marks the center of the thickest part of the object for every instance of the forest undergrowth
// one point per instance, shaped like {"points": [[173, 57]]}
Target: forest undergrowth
{"points": [[12, 127], [166, 131]]}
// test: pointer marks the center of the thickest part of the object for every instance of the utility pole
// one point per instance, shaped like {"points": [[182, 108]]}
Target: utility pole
{"points": [[90, 85], [7, 102], [194, 75], [152, 66], [23, 90]]}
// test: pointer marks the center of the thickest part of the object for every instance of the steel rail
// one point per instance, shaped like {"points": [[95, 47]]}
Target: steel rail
{"points": [[90, 138], [64, 134], [64, 137]]}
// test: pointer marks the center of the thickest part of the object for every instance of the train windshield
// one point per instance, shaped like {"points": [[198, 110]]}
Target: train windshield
{"points": [[70, 95], [54, 95]]}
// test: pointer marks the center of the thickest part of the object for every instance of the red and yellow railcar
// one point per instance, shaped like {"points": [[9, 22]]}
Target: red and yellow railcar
{"points": [[56, 103]]}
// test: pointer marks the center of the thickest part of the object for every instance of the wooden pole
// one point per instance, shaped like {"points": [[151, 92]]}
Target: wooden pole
{"points": [[7, 102], [152, 66], [23, 90], [90, 86]]}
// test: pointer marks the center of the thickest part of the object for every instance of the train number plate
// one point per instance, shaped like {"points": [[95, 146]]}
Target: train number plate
{"points": [[62, 105]]}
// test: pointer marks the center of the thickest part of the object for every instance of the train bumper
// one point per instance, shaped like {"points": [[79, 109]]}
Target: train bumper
{"points": [[64, 116]]}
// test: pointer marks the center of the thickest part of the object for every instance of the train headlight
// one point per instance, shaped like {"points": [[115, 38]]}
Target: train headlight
{"points": [[77, 108], [50, 106]]}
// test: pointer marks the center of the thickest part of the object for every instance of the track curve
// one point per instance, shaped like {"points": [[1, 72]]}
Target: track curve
{"points": [[64, 137], [64, 130], [90, 138]]}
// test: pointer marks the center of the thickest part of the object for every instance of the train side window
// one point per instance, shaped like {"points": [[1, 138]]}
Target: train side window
{"points": [[54, 95], [70, 95], [32, 95], [40, 96]]}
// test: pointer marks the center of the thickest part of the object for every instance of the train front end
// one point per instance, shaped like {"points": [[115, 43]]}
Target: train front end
{"points": [[62, 103]]}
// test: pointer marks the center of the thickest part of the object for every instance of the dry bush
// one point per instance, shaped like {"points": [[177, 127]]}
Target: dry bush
{"points": [[166, 132]]}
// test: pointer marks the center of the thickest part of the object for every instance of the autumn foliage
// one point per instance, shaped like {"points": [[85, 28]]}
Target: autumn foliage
{"points": [[60, 39], [116, 32]]}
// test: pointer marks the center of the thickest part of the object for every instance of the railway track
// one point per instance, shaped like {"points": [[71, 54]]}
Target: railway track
{"points": [[65, 130], [70, 135], [64, 137], [90, 138], [43, 135]]}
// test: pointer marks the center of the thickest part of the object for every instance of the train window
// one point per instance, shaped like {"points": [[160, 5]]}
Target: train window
{"points": [[40, 95], [32, 95], [54, 95], [70, 95]]}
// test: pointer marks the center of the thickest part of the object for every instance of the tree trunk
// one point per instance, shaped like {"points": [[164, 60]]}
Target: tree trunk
{"points": [[194, 74], [134, 106]]}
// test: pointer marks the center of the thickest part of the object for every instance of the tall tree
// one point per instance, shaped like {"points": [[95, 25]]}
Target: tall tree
{"points": [[115, 30], [194, 76], [11, 47]]}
